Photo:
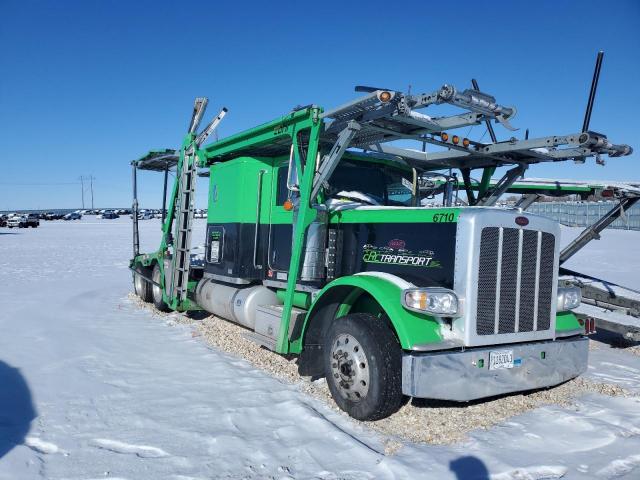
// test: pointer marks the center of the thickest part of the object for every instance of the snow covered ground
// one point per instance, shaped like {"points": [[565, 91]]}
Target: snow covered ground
{"points": [[92, 387]]}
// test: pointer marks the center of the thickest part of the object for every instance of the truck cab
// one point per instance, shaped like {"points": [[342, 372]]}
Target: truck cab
{"points": [[317, 241]]}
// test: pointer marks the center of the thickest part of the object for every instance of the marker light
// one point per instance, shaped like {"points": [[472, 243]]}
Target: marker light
{"points": [[384, 96], [444, 136], [455, 139], [434, 300], [288, 205], [569, 298], [466, 142]]}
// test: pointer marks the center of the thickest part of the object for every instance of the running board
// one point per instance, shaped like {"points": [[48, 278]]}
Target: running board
{"points": [[261, 340], [268, 322]]}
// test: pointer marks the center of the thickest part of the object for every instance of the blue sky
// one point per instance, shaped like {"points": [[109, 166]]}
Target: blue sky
{"points": [[86, 86]]}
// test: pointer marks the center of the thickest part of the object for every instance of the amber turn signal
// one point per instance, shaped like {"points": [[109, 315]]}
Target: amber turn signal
{"points": [[385, 96], [455, 139], [287, 205], [444, 136], [466, 142]]}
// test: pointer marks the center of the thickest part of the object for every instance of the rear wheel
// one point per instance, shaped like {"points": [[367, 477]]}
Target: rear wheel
{"points": [[141, 286], [157, 291], [363, 366]]}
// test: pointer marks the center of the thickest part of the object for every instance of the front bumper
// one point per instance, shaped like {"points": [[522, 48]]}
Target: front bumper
{"points": [[457, 375]]}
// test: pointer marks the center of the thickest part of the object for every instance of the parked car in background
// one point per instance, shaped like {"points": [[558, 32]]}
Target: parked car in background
{"points": [[3, 220], [52, 216], [33, 220], [24, 221], [72, 216], [108, 215], [145, 215], [16, 221]]}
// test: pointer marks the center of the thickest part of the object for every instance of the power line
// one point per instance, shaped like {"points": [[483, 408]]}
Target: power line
{"points": [[38, 184]]}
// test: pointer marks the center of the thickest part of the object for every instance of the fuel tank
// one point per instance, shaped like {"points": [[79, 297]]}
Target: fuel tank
{"points": [[232, 303]]}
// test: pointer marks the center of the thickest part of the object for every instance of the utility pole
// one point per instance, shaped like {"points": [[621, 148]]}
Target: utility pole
{"points": [[91, 178], [82, 187]]}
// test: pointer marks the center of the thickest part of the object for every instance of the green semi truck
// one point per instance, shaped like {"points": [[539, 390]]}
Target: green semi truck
{"points": [[319, 243]]}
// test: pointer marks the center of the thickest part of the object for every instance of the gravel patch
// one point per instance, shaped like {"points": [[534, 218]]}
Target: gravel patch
{"points": [[419, 420]]}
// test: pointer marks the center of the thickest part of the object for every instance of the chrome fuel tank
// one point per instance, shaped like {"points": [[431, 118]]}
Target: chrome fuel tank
{"points": [[232, 303]]}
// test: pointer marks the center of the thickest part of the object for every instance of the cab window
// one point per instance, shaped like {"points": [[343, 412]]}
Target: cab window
{"points": [[386, 185], [282, 192]]}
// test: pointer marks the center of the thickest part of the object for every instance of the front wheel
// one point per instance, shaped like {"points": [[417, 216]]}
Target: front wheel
{"points": [[157, 290], [363, 366]]}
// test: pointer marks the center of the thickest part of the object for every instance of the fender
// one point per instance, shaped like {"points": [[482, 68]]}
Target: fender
{"points": [[567, 324], [411, 328]]}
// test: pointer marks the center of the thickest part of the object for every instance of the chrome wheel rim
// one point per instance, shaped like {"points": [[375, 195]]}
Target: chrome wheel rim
{"points": [[157, 291], [138, 284], [349, 367]]}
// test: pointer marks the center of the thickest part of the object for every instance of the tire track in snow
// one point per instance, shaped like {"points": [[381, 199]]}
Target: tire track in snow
{"points": [[143, 451], [618, 468], [40, 446], [532, 473]]}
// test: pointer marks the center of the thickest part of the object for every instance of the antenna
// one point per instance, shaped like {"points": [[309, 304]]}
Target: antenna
{"points": [[592, 92], [492, 134]]}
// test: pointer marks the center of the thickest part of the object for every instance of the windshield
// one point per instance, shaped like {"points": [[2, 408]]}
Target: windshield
{"points": [[383, 184]]}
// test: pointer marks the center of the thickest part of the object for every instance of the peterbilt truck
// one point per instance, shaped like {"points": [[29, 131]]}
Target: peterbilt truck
{"points": [[318, 243]]}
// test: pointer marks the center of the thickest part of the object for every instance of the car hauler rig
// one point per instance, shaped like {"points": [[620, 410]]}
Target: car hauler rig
{"points": [[316, 242]]}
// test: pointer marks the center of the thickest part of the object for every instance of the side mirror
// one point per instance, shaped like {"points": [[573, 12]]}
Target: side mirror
{"points": [[292, 175]]}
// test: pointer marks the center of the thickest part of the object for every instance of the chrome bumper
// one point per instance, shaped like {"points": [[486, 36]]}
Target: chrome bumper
{"points": [[458, 375]]}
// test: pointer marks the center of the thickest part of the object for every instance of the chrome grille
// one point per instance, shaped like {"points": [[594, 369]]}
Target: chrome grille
{"points": [[515, 281]]}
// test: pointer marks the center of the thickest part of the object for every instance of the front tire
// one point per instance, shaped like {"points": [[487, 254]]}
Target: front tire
{"points": [[363, 366], [157, 291], [141, 286]]}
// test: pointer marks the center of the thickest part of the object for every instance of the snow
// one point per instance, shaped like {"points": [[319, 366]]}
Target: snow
{"points": [[93, 387]]}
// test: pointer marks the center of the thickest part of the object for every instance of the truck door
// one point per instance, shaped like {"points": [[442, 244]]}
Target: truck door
{"points": [[281, 228], [238, 219]]}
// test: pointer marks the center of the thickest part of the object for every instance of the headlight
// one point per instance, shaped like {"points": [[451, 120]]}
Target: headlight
{"points": [[435, 300], [569, 298]]}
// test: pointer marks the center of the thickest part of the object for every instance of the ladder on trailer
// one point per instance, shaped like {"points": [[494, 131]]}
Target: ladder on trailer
{"points": [[182, 226], [185, 200]]}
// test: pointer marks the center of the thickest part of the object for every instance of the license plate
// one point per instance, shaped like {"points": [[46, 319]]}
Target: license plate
{"points": [[500, 359]]}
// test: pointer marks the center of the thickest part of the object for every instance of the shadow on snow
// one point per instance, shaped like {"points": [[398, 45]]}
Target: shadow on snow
{"points": [[16, 408], [469, 468]]}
